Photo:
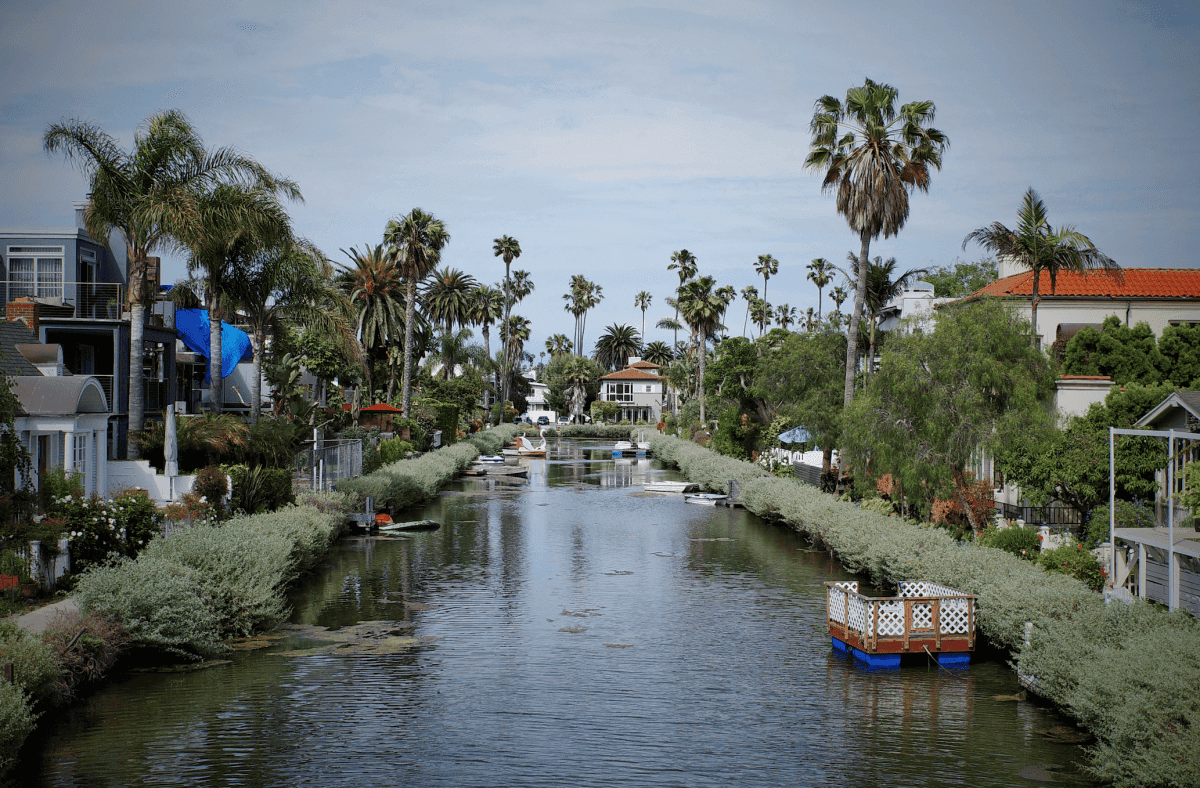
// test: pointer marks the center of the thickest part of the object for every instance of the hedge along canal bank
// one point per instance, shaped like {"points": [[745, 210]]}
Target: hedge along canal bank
{"points": [[568, 630], [1127, 673], [188, 595]]}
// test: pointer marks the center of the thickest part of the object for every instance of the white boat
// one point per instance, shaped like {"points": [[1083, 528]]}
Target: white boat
{"points": [[489, 458], [706, 499], [416, 525], [630, 447], [525, 448], [672, 487]]}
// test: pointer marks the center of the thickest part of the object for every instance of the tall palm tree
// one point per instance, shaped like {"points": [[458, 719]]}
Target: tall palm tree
{"points": [[452, 348], [616, 345], [873, 156], [148, 194], [449, 298], [810, 320], [291, 282], [767, 266], [509, 249], [761, 313], [558, 344], [702, 308], [642, 301], [514, 335], [1042, 249], [235, 223], [883, 284], [684, 262], [584, 295], [658, 353], [522, 285], [819, 273], [487, 305], [749, 293], [786, 315], [376, 293], [418, 238], [838, 295], [578, 373]]}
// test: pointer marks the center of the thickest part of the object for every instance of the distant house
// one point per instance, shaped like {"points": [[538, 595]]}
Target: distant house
{"points": [[916, 303], [637, 390], [1156, 296]]}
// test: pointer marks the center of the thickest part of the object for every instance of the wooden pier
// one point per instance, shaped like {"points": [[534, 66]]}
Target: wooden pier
{"points": [[925, 618]]}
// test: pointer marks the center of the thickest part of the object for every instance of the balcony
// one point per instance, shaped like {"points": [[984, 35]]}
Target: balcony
{"points": [[87, 300]]}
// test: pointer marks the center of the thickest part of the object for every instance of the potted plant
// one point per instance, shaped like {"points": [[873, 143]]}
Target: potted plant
{"points": [[112, 309]]}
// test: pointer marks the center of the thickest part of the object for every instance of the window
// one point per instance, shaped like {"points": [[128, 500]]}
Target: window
{"points": [[620, 392], [33, 272], [649, 389], [81, 454]]}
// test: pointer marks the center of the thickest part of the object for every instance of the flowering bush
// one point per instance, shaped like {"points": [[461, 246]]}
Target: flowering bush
{"points": [[193, 509], [97, 528], [886, 485]]}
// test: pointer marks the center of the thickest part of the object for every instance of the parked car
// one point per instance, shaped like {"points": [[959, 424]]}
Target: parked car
{"points": [[564, 421], [543, 421]]}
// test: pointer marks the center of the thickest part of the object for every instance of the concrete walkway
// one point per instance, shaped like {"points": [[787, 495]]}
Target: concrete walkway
{"points": [[37, 621]]}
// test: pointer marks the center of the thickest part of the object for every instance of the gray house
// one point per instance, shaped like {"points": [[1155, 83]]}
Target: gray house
{"points": [[637, 390]]}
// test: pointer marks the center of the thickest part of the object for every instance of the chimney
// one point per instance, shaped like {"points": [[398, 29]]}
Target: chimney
{"points": [[27, 311], [80, 211], [47, 358]]}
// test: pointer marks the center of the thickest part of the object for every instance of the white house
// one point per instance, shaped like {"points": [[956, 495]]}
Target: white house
{"points": [[916, 303], [637, 390]]}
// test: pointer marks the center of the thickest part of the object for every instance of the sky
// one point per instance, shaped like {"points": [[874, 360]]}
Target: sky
{"points": [[605, 136]]}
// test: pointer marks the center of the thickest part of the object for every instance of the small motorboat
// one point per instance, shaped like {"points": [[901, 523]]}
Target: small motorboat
{"points": [[415, 525], [489, 458], [706, 499]]}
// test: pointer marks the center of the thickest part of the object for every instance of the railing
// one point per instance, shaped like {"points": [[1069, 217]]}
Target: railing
{"points": [[94, 300], [1051, 514], [924, 615], [320, 469]]}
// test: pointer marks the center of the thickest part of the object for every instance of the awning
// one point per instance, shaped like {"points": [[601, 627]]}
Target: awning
{"points": [[192, 325]]}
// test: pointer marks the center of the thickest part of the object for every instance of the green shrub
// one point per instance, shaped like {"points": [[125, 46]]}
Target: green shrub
{"points": [[1127, 672], [371, 461], [97, 529], [605, 431], [1021, 542], [878, 506], [1130, 514], [446, 420], [259, 489], [1075, 561], [16, 723], [212, 484], [395, 449], [33, 664]]}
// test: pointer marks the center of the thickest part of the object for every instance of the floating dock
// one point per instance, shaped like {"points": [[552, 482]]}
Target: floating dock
{"points": [[925, 618]]}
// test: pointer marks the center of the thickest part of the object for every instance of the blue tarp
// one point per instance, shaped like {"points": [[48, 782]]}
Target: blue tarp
{"points": [[796, 435], [192, 325]]}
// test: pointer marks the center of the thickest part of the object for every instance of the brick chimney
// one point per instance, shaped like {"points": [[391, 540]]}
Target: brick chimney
{"points": [[26, 310]]}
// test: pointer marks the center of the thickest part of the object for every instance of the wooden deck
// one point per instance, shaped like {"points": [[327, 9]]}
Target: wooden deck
{"points": [[1144, 572], [925, 616]]}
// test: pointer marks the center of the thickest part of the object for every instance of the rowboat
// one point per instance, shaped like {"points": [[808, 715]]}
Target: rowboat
{"points": [[672, 487], [706, 499], [415, 525]]}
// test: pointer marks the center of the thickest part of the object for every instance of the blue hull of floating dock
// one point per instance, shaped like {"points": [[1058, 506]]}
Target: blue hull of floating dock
{"points": [[629, 454], [947, 658]]}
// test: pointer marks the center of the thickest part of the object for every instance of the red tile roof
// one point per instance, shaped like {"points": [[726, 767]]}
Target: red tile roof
{"points": [[1138, 283], [645, 365], [630, 374]]}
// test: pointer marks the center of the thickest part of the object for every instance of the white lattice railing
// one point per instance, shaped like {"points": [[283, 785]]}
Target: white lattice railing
{"points": [[923, 610]]}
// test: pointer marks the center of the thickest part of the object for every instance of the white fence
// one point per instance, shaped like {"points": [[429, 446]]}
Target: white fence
{"points": [[320, 469]]}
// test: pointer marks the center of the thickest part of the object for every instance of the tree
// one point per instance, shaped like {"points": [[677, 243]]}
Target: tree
{"points": [[786, 315], [873, 157], [571, 383], [509, 249], [658, 353], [149, 195], [418, 238], [761, 312], [882, 286], [376, 292], [750, 295], [684, 262], [961, 279], [767, 266], [1127, 355], [616, 345], [487, 305], [584, 295], [1041, 249], [819, 271], [448, 297], [702, 308], [974, 384], [838, 295], [642, 301], [289, 282], [558, 344]]}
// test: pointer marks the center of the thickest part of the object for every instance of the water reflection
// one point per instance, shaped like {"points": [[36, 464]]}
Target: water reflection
{"points": [[574, 630]]}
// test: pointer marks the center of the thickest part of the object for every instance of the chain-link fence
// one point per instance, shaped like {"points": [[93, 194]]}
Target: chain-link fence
{"points": [[320, 469]]}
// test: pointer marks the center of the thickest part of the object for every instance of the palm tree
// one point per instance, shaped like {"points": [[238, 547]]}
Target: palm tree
{"points": [[786, 315], [749, 293], [452, 347], [642, 301], [449, 299], [684, 262], [235, 223], [509, 249], [702, 308], [584, 295], [1042, 249], [514, 336], [767, 266], [418, 239], [522, 285], [578, 373], [558, 344], [658, 353], [376, 294], [810, 320], [873, 157], [838, 295], [818, 272], [149, 196], [762, 314], [487, 305], [882, 286], [616, 345], [291, 282]]}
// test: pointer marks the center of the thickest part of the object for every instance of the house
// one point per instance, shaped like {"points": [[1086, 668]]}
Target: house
{"points": [[637, 390], [1156, 296], [916, 303], [70, 290], [537, 399]]}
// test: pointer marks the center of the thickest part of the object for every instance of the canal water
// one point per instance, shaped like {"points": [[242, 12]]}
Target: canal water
{"points": [[565, 630]]}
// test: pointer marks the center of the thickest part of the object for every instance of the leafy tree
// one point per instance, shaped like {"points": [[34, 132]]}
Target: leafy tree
{"points": [[961, 279], [149, 195], [1179, 349], [730, 378], [873, 156], [974, 384], [1127, 355], [572, 382], [616, 345], [1042, 249], [418, 239]]}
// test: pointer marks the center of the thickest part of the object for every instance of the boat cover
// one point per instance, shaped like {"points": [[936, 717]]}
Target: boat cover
{"points": [[192, 325], [796, 435]]}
